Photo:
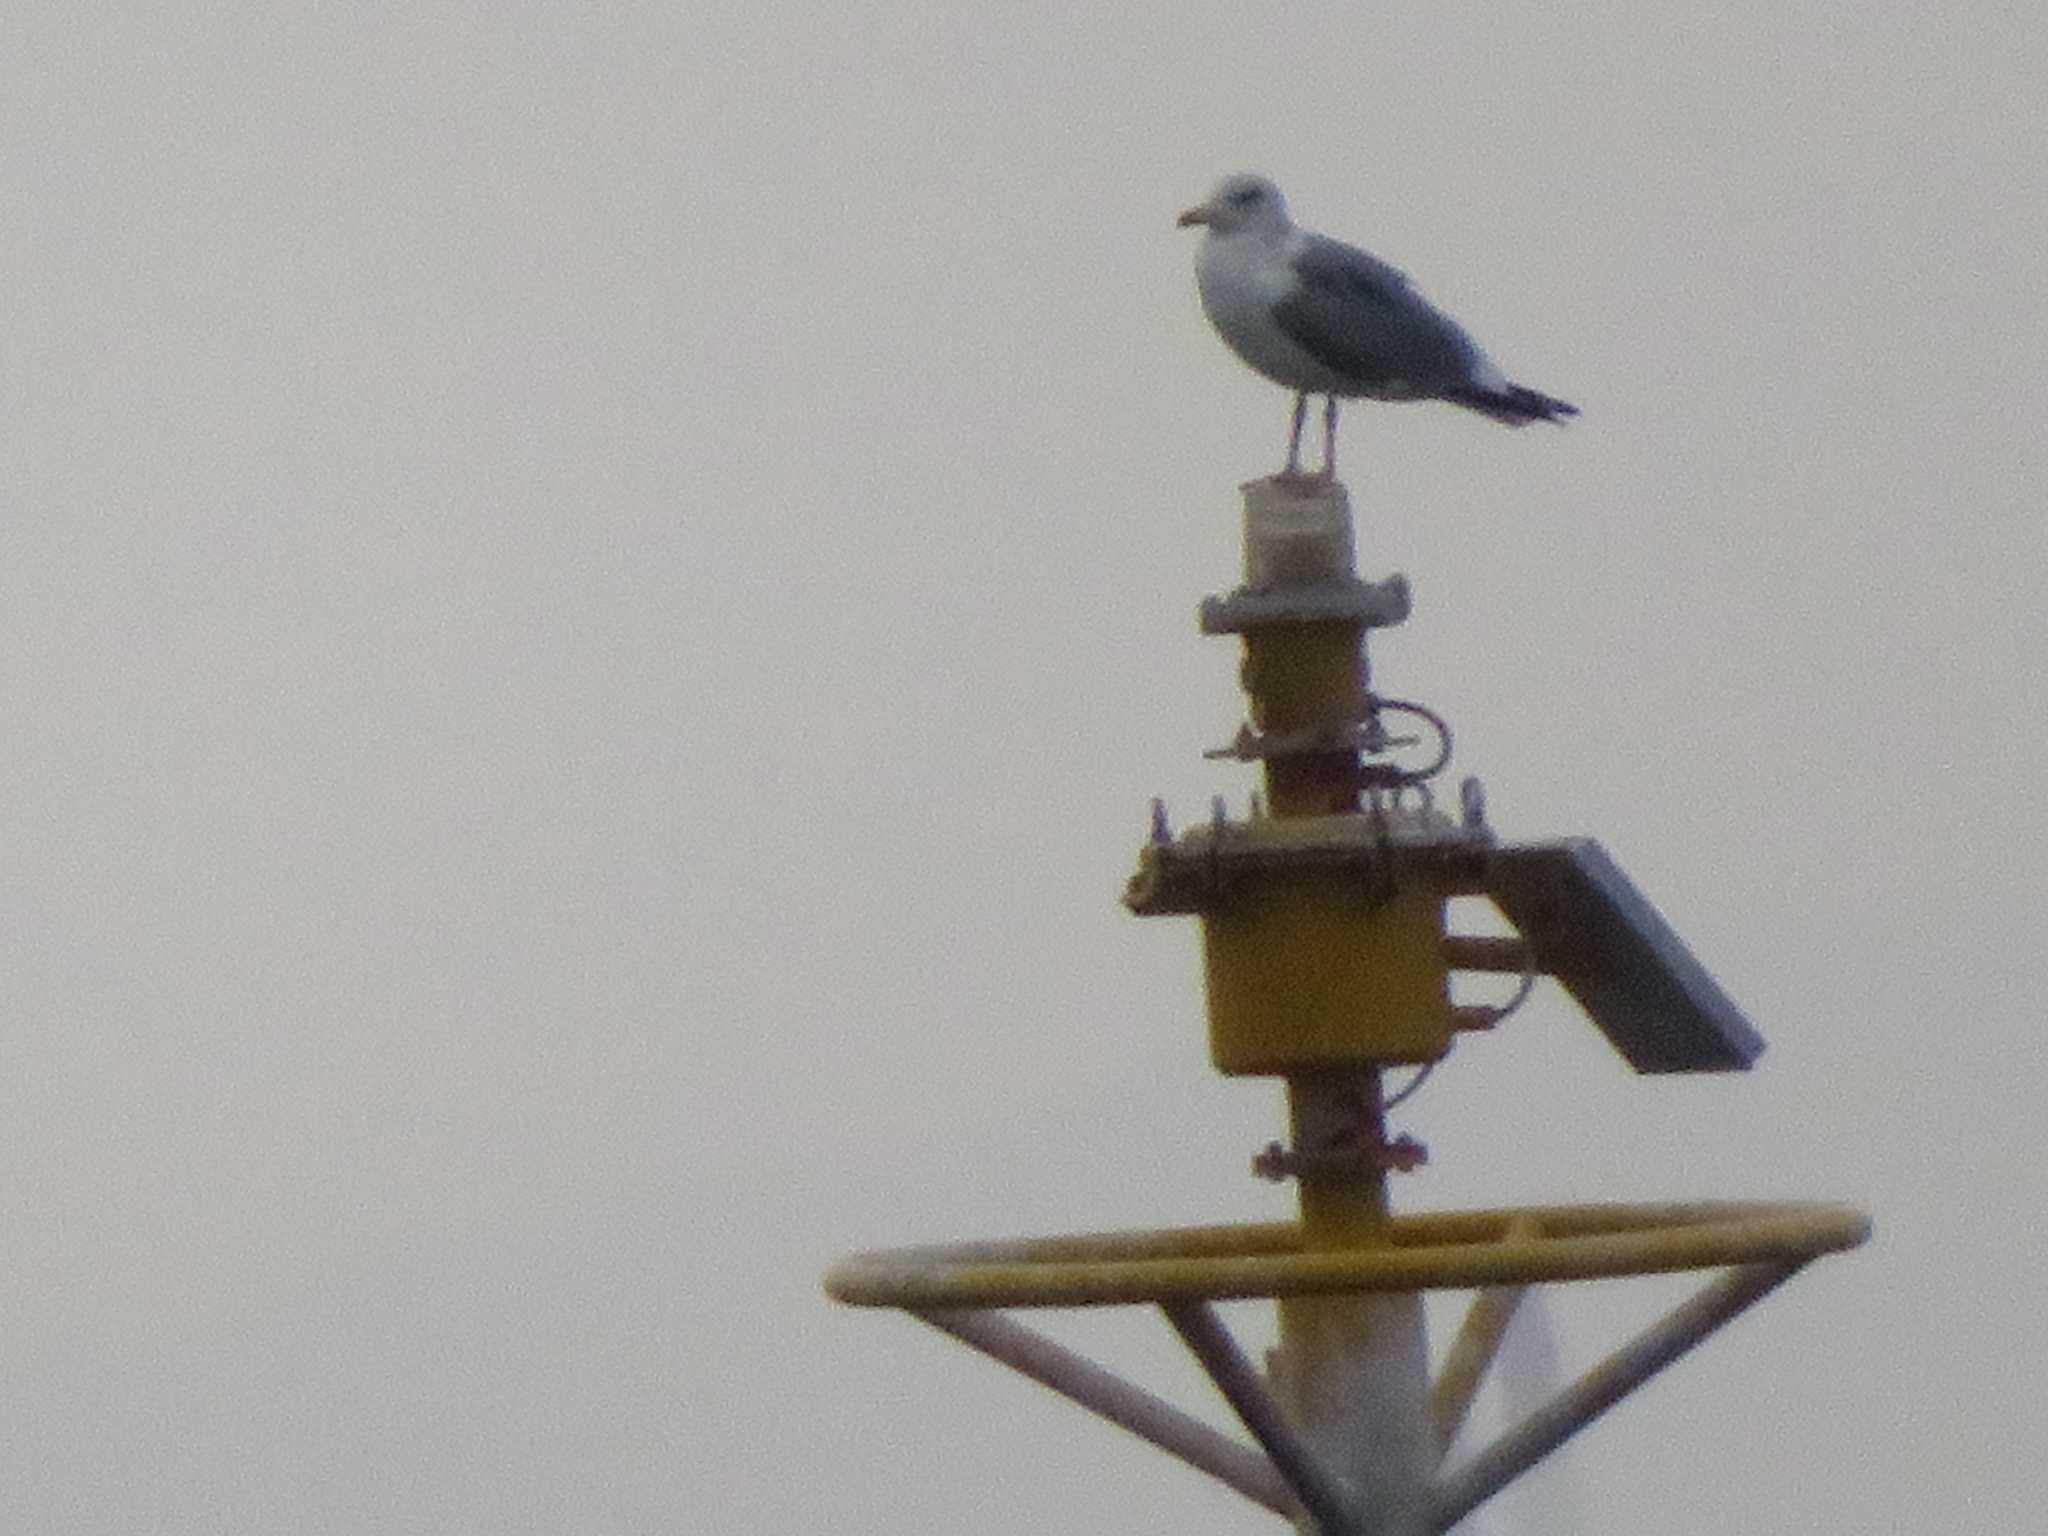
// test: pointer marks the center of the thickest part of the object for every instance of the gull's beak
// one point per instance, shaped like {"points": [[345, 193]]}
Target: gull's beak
{"points": [[1201, 213]]}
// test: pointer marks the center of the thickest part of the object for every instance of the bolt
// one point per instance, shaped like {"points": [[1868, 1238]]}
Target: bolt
{"points": [[1472, 803]]}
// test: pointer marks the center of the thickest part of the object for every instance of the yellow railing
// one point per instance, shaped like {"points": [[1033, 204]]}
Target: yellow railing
{"points": [[1433, 1251]]}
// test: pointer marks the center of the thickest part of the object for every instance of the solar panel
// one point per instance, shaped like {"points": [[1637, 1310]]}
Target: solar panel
{"points": [[1588, 925]]}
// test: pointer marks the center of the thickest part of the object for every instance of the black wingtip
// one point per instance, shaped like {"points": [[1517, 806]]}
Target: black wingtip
{"points": [[1515, 406]]}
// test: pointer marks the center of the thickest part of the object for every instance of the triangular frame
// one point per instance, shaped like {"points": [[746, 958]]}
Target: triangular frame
{"points": [[1286, 1475]]}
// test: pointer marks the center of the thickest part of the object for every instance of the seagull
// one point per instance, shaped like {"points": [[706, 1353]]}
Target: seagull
{"points": [[1325, 318]]}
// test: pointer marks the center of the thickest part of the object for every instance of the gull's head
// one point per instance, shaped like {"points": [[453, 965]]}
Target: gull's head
{"points": [[1243, 201]]}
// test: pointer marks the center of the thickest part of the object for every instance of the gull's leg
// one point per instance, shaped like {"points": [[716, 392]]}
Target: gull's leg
{"points": [[1294, 437], [1329, 436]]}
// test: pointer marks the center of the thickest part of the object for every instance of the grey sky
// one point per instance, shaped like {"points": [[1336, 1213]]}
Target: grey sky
{"points": [[590, 602]]}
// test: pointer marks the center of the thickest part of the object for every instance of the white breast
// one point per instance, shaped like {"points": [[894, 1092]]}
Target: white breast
{"points": [[1241, 277]]}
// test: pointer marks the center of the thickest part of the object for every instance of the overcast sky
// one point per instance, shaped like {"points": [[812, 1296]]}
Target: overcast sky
{"points": [[591, 600]]}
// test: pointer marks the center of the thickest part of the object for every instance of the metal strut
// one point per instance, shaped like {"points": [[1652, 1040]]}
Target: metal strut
{"points": [[1286, 1474]]}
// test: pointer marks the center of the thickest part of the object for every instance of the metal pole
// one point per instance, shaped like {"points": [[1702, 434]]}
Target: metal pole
{"points": [[1103, 1392], [1324, 1500], [1601, 1388], [1472, 1352], [1352, 1371]]}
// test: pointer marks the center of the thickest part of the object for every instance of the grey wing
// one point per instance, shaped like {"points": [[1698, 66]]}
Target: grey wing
{"points": [[1358, 316]]}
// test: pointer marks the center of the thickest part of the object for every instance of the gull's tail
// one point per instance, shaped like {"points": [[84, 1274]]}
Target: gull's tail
{"points": [[1512, 404]]}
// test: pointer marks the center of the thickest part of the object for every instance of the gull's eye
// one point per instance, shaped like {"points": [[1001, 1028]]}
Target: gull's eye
{"points": [[1243, 197]]}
